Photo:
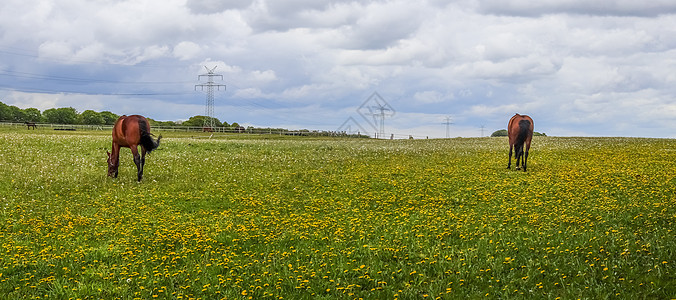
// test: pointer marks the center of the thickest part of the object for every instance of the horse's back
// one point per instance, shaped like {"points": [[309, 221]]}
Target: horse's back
{"points": [[516, 119], [127, 130]]}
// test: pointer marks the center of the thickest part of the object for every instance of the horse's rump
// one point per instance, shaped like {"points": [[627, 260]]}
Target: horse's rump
{"points": [[134, 130], [524, 131], [519, 129]]}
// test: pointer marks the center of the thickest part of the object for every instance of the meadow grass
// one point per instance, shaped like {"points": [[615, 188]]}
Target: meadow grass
{"points": [[276, 217]]}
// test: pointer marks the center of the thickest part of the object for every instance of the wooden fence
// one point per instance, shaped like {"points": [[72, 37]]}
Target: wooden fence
{"points": [[224, 130]]}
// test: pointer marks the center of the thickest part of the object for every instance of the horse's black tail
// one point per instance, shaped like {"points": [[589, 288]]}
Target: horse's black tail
{"points": [[147, 140], [524, 130]]}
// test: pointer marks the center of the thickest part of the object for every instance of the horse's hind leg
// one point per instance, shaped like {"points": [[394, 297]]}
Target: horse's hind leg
{"points": [[519, 156], [525, 158], [138, 161], [509, 163]]}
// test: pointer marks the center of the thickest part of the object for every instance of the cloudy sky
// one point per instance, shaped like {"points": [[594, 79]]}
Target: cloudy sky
{"points": [[578, 67]]}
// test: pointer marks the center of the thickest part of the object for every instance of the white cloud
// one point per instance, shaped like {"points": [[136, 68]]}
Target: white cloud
{"points": [[153, 52], [429, 97], [618, 7], [220, 67], [32, 100], [376, 30], [216, 6], [55, 50], [43, 101], [186, 50], [249, 93], [263, 76], [510, 70]]}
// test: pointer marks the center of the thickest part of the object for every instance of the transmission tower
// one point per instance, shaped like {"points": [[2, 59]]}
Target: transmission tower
{"points": [[448, 124], [379, 111], [376, 107], [210, 85]]}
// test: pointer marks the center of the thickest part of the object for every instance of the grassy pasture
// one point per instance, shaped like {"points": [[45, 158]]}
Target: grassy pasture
{"points": [[251, 218]]}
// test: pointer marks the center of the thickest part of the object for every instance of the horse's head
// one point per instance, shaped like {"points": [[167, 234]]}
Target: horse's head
{"points": [[113, 164]]}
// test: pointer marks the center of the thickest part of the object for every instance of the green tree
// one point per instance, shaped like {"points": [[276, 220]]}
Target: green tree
{"points": [[4, 112], [17, 114], [64, 115], [161, 123], [90, 117], [11, 113], [501, 132], [198, 121], [109, 118], [33, 115]]}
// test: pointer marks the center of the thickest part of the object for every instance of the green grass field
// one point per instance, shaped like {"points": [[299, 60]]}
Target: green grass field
{"points": [[296, 218]]}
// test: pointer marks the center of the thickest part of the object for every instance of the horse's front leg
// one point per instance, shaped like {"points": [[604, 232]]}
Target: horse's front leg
{"points": [[114, 161], [143, 161], [137, 161]]}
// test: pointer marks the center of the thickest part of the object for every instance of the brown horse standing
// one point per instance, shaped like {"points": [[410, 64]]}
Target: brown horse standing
{"points": [[130, 132], [520, 131]]}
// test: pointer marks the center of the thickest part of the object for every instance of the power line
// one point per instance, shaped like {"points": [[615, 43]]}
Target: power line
{"points": [[29, 53], [79, 82], [26, 75], [49, 91]]}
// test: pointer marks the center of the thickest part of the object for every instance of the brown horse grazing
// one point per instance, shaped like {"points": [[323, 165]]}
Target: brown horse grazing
{"points": [[520, 131], [130, 132]]}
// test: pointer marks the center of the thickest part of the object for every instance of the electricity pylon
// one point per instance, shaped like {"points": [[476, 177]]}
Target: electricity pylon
{"points": [[380, 111], [209, 109], [448, 123], [376, 107]]}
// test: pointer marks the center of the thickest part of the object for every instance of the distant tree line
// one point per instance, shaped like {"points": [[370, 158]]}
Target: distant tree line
{"points": [[503, 132], [68, 115], [64, 115], [194, 121]]}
